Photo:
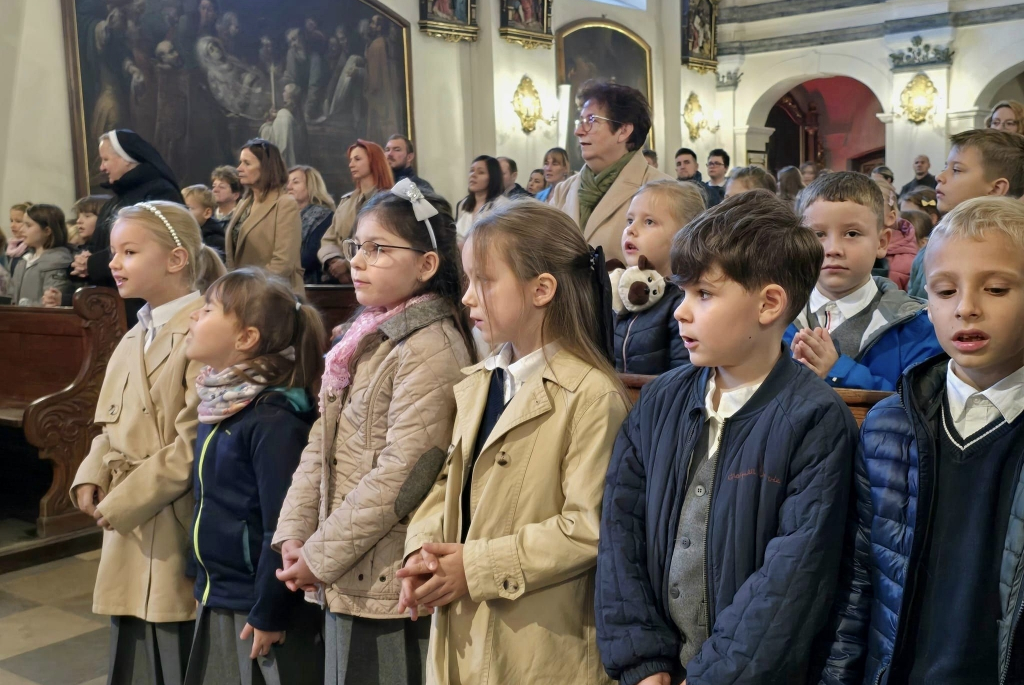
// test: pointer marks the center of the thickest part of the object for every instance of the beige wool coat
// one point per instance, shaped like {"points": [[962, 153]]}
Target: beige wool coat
{"points": [[531, 549], [143, 462], [270, 237], [608, 220], [343, 226], [373, 455]]}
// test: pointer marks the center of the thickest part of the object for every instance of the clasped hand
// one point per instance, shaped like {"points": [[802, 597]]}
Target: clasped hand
{"points": [[815, 350], [432, 577]]}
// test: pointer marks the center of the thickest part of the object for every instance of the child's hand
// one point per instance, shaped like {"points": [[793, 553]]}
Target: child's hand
{"points": [[100, 521], [449, 580], [298, 576], [261, 640], [815, 349], [291, 550], [51, 298], [418, 569], [658, 679], [88, 496]]}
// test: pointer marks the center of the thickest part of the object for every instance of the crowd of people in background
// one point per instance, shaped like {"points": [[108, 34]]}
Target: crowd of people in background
{"points": [[464, 445]]}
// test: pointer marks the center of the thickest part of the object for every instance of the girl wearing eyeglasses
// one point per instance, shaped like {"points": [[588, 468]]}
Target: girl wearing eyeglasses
{"points": [[387, 408]]}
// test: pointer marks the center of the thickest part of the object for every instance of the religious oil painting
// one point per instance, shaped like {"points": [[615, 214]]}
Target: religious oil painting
{"points": [[527, 22], [700, 39], [198, 78], [450, 20]]}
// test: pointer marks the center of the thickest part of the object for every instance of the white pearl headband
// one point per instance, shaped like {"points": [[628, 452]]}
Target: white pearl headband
{"points": [[160, 215]]}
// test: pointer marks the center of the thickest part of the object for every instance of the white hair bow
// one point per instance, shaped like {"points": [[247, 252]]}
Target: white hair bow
{"points": [[407, 190]]}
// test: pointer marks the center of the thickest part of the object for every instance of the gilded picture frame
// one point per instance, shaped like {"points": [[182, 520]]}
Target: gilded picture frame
{"points": [[199, 78], [699, 43], [527, 23], [601, 49], [450, 20]]}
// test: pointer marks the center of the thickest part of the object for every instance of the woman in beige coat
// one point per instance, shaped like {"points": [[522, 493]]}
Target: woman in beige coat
{"points": [[612, 128], [518, 505], [265, 229], [386, 414], [136, 479]]}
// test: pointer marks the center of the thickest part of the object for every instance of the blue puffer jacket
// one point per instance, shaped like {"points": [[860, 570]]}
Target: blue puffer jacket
{"points": [[907, 338], [778, 508], [648, 342], [893, 488], [241, 473]]}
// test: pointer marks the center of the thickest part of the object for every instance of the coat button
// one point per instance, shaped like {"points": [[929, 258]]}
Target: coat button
{"points": [[383, 579], [700, 491], [331, 397], [360, 576], [685, 543], [674, 592], [334, 461], [502, 459], [510, 585]]}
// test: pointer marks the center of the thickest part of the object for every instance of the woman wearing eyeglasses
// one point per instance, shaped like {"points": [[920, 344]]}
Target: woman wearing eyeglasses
{"points": [[611, 130], [265, 230], [371, 174]]}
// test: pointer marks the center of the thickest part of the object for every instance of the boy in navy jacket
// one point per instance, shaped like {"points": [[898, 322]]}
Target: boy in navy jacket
{"points": [[726, 495], [857, 331], [931, 586]]}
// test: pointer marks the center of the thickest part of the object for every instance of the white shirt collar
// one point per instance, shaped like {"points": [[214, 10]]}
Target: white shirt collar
{"points": [[521, 370], [849, 306], [730, 402], [155, 318], [1006, 397]]}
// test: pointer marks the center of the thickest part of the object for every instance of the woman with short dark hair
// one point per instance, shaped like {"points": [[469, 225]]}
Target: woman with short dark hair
{"points": [[265, 230], [613, 125], [485, 189]]}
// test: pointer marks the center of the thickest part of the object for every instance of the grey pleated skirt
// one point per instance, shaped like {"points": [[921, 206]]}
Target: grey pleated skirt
{"points": [[378, 651], [143, 653], [219, 657]]}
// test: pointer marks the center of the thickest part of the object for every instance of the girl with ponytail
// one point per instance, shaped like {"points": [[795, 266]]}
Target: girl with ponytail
{"points": [[262, 347], [504, 547]]}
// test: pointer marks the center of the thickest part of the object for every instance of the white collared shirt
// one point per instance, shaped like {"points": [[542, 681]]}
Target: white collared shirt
{"points": [[153, 319], [729, 403], [832, 313], [972, 410], [519, 371]]}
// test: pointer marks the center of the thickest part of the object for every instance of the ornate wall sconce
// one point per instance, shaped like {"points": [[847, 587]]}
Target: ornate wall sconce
{"points": [[527, 105], [918, 99], [696, 121]]}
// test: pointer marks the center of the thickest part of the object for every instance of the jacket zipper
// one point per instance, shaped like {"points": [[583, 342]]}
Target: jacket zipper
{"points": [[707, 528], [1005, 668], [199, 512], [373, 401], [625, 340]]}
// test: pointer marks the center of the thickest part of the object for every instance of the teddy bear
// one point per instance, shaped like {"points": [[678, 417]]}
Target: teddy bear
{"points": [[637, 288]]}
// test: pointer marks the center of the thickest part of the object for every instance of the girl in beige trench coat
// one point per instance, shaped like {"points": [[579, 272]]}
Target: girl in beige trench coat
{"points": [[136, 479], [504, 547]]}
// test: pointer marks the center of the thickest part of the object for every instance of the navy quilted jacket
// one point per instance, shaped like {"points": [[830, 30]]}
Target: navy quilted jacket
{"points": [[648, 342], [778, 507], [893, 488]]}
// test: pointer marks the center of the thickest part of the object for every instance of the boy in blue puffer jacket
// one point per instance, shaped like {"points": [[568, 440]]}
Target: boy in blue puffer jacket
{"points": [[725, 501], [930, 590], [857, 331], [647, 342]]}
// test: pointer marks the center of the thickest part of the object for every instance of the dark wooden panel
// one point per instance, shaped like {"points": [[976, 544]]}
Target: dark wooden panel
{"points": [[335, 303]]}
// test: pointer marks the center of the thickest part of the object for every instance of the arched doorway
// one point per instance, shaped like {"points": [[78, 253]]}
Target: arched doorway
{"points": [[831, 121]]}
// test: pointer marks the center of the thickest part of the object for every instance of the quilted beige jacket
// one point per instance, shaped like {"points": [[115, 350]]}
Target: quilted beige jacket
{"points": [[373, 455]]}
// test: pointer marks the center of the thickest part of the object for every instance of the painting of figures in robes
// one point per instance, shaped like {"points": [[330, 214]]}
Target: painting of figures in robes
{"points": [[198, 78], [526, 22], [700, 41]]}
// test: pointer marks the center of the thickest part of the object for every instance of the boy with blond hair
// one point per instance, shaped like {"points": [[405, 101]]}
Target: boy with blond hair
{"points": [[726, 496], [201, 202], [930, 591], [856, 331]]}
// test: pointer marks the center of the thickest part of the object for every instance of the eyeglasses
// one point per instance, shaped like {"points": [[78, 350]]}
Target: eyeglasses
{"points": [[370, 250], [716, 164], [587, 122]]}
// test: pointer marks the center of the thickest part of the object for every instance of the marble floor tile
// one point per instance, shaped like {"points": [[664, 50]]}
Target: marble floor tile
{"points": [[39, 627], [8, 678], [89, 556], [77, 660], [52, 585], [12, 604]]}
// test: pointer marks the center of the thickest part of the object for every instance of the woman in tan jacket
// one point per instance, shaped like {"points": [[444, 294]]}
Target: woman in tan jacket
{"points": [[371, 174], [504, 547], [386, 414], [136, 479], [265, 229]]}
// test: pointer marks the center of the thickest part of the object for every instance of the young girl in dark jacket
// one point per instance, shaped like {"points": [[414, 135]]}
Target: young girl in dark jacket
{"points": [[263, 348]]}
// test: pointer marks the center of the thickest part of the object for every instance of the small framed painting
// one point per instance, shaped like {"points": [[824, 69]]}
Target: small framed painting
{"points": [[757, 159], [527, 23], [450, 20]]}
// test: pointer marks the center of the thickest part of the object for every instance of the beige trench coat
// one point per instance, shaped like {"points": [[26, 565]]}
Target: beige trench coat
{"points": [[343, 226], [143, 461], [531, 549], [270, 237], [608, 220], [373, 455]]}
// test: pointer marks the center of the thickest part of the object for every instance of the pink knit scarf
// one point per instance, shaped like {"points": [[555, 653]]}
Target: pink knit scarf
{"points": [[336, 373], [16, 248]]}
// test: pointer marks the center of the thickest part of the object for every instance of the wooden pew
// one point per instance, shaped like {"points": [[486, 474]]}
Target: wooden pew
{"points": [[859, 401], [52, 365], [335, 303]]}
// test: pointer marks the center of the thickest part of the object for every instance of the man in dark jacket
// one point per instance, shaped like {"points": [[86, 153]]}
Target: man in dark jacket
{"points": [[688, 169], [930, 590], [922, 177], [727, 490], [400, 154]]}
